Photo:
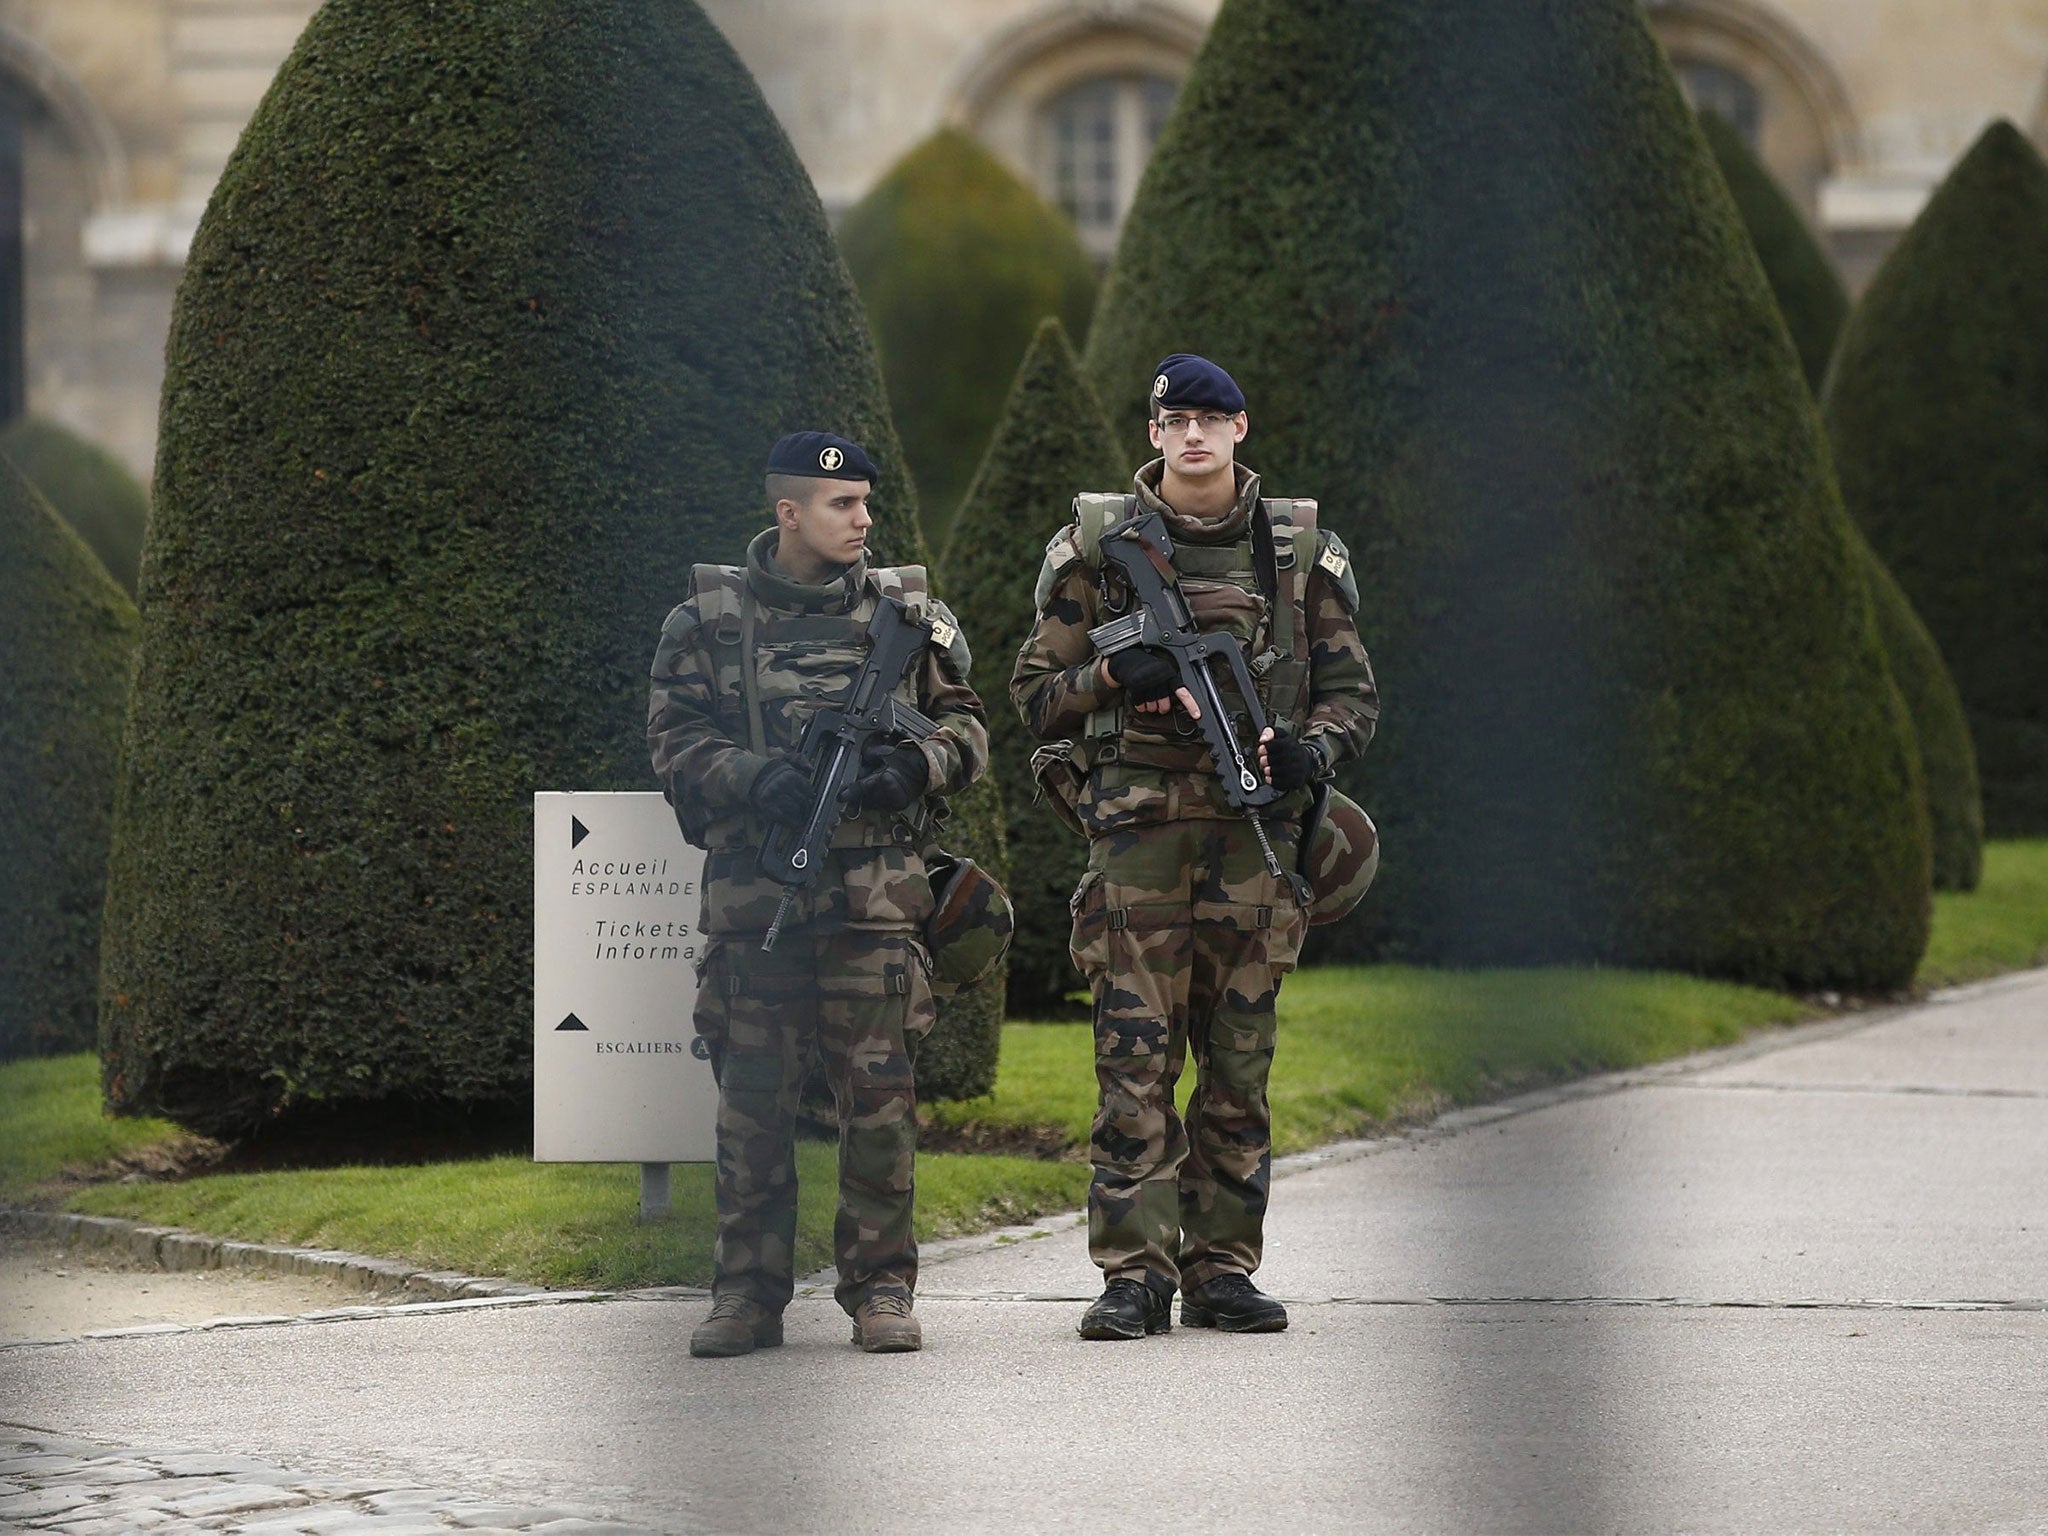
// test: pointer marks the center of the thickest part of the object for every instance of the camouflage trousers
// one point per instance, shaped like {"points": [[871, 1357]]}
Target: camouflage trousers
{"points": [[1184, 937], [862, 998]]}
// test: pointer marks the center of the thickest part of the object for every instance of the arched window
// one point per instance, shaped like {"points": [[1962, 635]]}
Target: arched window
{"points": [[1095, 139], [1073, 97], [1718, 89]]}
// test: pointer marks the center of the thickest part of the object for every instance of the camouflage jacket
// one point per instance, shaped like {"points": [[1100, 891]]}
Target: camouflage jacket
{"points": [[1160, 768], [808, 643]]}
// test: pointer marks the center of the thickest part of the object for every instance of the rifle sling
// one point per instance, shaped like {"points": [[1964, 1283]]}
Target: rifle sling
{"points": [[750, 688]]}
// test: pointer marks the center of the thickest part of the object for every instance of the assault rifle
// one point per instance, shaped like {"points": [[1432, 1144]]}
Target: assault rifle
{"points": [[1160, 620], [830, 752]]}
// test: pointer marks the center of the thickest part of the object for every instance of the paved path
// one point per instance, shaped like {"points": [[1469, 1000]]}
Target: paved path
{"points": [[1798, 1286]]}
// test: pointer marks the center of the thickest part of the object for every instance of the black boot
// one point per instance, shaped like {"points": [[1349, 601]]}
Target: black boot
{"points": [[1232, 1303], [1128, 1309]]}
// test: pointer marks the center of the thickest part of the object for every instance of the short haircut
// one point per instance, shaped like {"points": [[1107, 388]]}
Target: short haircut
{"points": [[797, 488]]}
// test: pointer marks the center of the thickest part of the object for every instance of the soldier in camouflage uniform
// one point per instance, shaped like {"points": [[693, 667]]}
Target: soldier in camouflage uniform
{"points": [[741, 666], [1181, 929]]}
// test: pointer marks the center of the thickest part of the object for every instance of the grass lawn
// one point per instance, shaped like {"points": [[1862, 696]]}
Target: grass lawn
{"points": [[1365, 1047], [1362, 1048], [50, 1119], [561, 1224], [2000, 926]]}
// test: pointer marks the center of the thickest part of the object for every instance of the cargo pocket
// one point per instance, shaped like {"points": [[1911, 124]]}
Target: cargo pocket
{"points": [[1290, 927], [1089, 944], [712, 1014], [924, 1008]]}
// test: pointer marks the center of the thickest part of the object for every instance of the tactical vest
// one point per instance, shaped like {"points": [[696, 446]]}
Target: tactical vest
{"points": [[1255, 588], [773, 670]]}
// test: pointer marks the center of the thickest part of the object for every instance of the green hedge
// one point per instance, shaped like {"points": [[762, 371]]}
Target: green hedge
{"points": [[1938, 408], [67, 631], [958, 261], [1810, 296], [480, 346], [1051, 444], [1492, 304], [1948, 763], [89, 488]]}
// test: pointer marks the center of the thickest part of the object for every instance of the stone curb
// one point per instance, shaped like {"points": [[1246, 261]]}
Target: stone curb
{"points": [[171, 1248]]}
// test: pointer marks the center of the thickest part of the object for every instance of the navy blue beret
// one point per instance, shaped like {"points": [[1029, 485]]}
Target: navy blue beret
{"points": [[1187, 382], [821, 456]]}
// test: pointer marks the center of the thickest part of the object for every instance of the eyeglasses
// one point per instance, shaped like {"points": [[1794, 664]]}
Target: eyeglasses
{"points": [[1174, 424]]}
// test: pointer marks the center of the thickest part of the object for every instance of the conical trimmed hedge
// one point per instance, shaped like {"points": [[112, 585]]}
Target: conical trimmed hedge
{"points": [[88, 487], [958, 261], [1052, 443], [1810, 296], [1492, 304], [480, 346], [67, 632], [1938, 408], [1948, 763]]}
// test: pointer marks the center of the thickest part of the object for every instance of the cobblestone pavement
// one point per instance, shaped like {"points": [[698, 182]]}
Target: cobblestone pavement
{"points": [[82, 1488]]}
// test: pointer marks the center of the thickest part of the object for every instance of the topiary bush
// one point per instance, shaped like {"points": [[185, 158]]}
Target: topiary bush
{"points": [[66, 634], [87, 486], [1053, 442], [1810, 296], [958, 261], [480, 346], [1948, 763], [1938, 409], [1492, 304]]}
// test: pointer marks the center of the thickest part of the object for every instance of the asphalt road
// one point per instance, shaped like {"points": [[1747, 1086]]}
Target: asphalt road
{"points": [[1801, 1286]]}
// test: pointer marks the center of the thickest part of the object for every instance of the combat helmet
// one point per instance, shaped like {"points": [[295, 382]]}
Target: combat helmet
{"points": [[972, 920], [1340, 853]]}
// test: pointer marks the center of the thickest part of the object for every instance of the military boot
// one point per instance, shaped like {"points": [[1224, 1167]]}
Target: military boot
{"points": [[737, 1326], [1232, 1303], [1128, 1309], [883, 1325]]}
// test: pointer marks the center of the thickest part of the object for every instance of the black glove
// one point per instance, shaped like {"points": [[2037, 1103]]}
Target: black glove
{"points": [[1293, 762], [896, 776], [1144, 676], [783, 793]]}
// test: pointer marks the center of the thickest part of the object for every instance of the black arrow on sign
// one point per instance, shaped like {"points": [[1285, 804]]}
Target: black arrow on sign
{"points": [[572, 1022], [577, 832]]}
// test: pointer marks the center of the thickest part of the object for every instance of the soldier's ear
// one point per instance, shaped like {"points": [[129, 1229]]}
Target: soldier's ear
{"points": [[1244, 427]]}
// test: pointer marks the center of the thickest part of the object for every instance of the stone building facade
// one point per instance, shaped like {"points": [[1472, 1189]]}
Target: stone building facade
{"points": [[116, 117]]}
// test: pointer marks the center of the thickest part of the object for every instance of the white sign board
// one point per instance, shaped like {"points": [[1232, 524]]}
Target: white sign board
{"points": [[619, 1075]]}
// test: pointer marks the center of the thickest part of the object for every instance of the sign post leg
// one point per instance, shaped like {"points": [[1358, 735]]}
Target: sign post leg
{"points": [[653, 1191]]}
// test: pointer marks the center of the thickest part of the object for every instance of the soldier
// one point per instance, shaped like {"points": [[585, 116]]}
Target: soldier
{"points": [[741, 666], [1179, 925]]}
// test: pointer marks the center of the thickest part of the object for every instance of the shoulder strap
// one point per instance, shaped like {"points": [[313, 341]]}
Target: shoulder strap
{"points": [[750, 687], [726, 609], [716, 589], [1097, 513], [1291, 550], [910, 585]]}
